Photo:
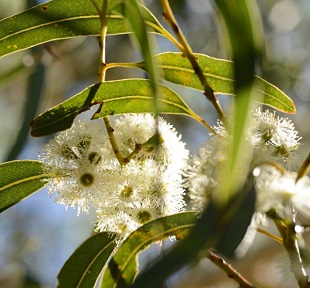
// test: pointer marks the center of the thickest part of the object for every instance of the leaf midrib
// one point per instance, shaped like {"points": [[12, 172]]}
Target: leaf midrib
{"points": [[134, 252]]}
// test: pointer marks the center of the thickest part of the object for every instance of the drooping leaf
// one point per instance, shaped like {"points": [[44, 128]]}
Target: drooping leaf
{"points": [[202, 236], [83, 267], [217, 228], [243, 24], [18, 180], [34, 90], [122, 268], [238, 218], [133, 13], [115, 97], [220, 76], [60, 19]]}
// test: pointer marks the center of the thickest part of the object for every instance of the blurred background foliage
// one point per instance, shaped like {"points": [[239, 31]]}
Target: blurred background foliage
{"points": [[37, 236]]}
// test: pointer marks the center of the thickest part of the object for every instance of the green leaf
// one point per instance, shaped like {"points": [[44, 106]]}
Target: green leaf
{"points": [[242, 21], [237, 218], [203, 235], [19, 179], [220, 76], [217, 228], [132, 12], [83, 267], [60, 19], [115, 97], [34, 91], [122, 268]]}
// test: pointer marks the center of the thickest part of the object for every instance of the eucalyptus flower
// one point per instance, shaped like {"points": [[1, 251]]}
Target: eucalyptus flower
{"points": [[280, 195], [201, 174], [273, 139], [124, 195]]}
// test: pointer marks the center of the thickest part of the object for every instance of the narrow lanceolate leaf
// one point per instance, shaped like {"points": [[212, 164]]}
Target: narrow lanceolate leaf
{"points": [[132, 12], [114, 97], [59, 19], [123, 268], [83, 267], [18, 180], [220, 76]]}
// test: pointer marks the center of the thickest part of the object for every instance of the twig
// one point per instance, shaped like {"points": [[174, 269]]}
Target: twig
{"points": [[270, 235], [150, 144], [102, 71], [188, 53], [290, 244], [304, 169], [113, 141], [230, 271]]}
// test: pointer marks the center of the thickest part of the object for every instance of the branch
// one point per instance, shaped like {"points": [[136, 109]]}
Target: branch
{"points": [[290, 244], [230, 271], [304, 169], [188, 53], [102, 71]]}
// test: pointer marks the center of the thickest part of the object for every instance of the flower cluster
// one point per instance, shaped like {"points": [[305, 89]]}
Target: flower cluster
{"points": [[280, 194], [125, 195], [273, 139]]}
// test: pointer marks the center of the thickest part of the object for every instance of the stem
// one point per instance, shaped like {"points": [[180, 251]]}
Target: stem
{"points": [[303, 170], [277, 166], [188, 53], [123, 65], [102, 72], [102, 40], [230, 271], [290, 243], [270, 235], [150, 144], [165, 33], [113, 141]]}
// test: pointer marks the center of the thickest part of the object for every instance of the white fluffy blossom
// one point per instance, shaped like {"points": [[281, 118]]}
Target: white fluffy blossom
{"points": [[278, 191], [201, 174], [273, 139], [87, 172]]}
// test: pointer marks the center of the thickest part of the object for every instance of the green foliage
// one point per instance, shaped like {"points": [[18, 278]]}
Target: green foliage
{"points": [[132, 12], [19, 179], [123, 267], [115, 97], [246, 43], [60, 19], [217, 227], [83, 267], [64, 19], [34, 92], [220, 76]]}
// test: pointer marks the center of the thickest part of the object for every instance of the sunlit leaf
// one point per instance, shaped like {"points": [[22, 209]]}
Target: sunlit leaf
{"points": [[132, 12], [220, 76], [122, 268], [243, 24], [19, 179], [115, 97], [217, 228], [203, 235], [60, 19], [83, 267]]}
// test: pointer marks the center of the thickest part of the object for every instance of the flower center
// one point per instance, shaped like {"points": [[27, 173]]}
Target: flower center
{"points": [[94, 158], [126, 192], [87, 179], [144, 216]]}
